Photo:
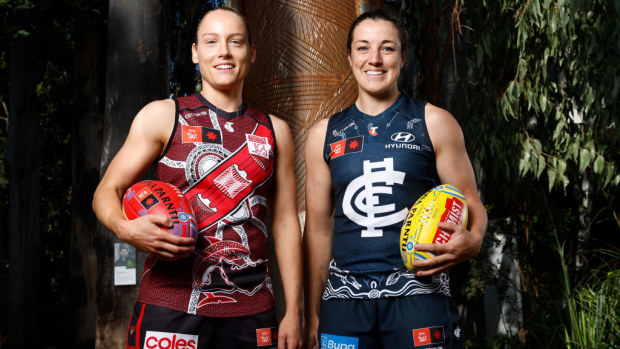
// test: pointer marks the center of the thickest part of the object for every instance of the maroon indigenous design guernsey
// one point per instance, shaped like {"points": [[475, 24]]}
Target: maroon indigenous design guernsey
{"points": [[223, 163]]}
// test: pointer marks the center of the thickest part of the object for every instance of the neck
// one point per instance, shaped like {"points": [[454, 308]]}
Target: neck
{"points": [[229, 101], [373, 104]]}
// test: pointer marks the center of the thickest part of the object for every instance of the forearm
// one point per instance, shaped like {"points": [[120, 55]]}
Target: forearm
{"points": [[317, 255], [477, 220], [287, 243], [108, 209]]}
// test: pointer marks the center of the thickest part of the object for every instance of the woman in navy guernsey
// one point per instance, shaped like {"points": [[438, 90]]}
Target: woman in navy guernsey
{"points": [[365, 168], [234, 164]]}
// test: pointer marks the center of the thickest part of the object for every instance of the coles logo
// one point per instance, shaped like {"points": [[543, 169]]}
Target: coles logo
{"points": [[166, 340]]}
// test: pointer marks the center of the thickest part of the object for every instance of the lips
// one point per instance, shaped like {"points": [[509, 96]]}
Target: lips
{"points": [[375, 72]]}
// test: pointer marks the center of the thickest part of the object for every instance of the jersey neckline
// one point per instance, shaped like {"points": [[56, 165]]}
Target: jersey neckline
{"points": [[382, 114], [225, 114]]}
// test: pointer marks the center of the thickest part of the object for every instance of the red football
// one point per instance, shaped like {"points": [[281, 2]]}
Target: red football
{"points": [[156, 197]]}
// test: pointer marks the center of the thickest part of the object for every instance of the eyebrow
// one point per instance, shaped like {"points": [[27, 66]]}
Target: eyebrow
{"points": [[382, 42], [216, 34]]}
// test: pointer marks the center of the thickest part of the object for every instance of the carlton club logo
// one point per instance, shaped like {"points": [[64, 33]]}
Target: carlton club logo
{"points": [[361, 199]]}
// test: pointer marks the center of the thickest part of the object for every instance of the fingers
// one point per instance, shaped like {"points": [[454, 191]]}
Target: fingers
{"points": [[288, 341], [151, 234], [310, 337], [161, 220], [447, 255], [434, 266], [310, 342], [167, 250], [448, 226]]}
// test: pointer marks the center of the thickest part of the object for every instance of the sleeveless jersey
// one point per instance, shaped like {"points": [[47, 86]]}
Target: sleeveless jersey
{"points": [[380, 165], [223, 163]]}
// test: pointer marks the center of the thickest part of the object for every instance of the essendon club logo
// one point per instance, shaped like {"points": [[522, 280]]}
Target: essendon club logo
{"points": [[146, 198], [347, 146], [201, 134], [429, 335], [266, 336], [258, 145]]}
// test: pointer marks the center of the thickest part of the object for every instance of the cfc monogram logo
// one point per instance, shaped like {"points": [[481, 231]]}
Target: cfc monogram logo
{"points": [[361, 199]]}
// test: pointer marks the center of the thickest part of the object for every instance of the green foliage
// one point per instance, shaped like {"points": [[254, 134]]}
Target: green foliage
{"points": [[565, 89], [539, 112], [547, 74], [590, 311]]}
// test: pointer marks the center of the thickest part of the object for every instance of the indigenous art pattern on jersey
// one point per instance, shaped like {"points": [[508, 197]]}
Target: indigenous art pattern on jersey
{"points": [[379, 166], [223, 162]]}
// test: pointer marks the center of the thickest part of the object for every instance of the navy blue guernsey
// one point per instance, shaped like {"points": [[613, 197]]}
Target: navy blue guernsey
{"points": [[380, 165]]}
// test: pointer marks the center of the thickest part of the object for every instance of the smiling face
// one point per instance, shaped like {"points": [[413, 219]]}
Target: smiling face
{"points": [[376, 58], [222, 51]]}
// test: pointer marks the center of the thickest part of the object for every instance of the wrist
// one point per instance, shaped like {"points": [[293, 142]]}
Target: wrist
{"points": [[294, 309], [120, 229]]}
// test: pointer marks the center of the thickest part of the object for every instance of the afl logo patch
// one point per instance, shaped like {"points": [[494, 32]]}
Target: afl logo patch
{"points": [[403, 137]]}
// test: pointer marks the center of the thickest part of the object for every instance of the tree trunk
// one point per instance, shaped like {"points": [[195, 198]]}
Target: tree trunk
{"points": [[301, 74], [89, 79], [23, 167], [137, 73]]}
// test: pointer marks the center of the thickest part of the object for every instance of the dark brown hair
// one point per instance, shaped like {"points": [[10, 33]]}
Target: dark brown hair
{"points": [[385, 15]]}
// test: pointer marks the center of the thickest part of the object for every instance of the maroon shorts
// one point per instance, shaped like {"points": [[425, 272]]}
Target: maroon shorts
{"points": [[155, 327]]}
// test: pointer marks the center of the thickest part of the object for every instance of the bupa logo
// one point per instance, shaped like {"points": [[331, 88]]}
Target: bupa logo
{"points": [[402, 137], [165, 340], [330, 341]]}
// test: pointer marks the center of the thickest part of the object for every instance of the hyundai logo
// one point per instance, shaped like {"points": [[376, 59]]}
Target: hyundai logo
{"points": [[403, 137]]}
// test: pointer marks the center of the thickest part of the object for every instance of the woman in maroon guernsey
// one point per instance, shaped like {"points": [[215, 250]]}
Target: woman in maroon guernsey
{"points": [[213, 292]]}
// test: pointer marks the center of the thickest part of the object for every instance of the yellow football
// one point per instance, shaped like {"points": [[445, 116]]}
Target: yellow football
{"points": [[444, 203]]}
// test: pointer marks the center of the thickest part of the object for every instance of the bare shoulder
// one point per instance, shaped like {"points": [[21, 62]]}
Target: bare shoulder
{"points": [[442, 126], [155, 119], [279, 126], [317, 131], [284, 136], [156, 110], [437, 117]]}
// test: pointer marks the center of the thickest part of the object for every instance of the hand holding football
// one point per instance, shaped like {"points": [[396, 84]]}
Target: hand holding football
{"points": [[443, 203], [156, 197]]}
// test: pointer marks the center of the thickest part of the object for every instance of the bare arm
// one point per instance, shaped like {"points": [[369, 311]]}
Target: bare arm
{"points": [[318, 229], [287, 235], [147, 138], [453, 167]]}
